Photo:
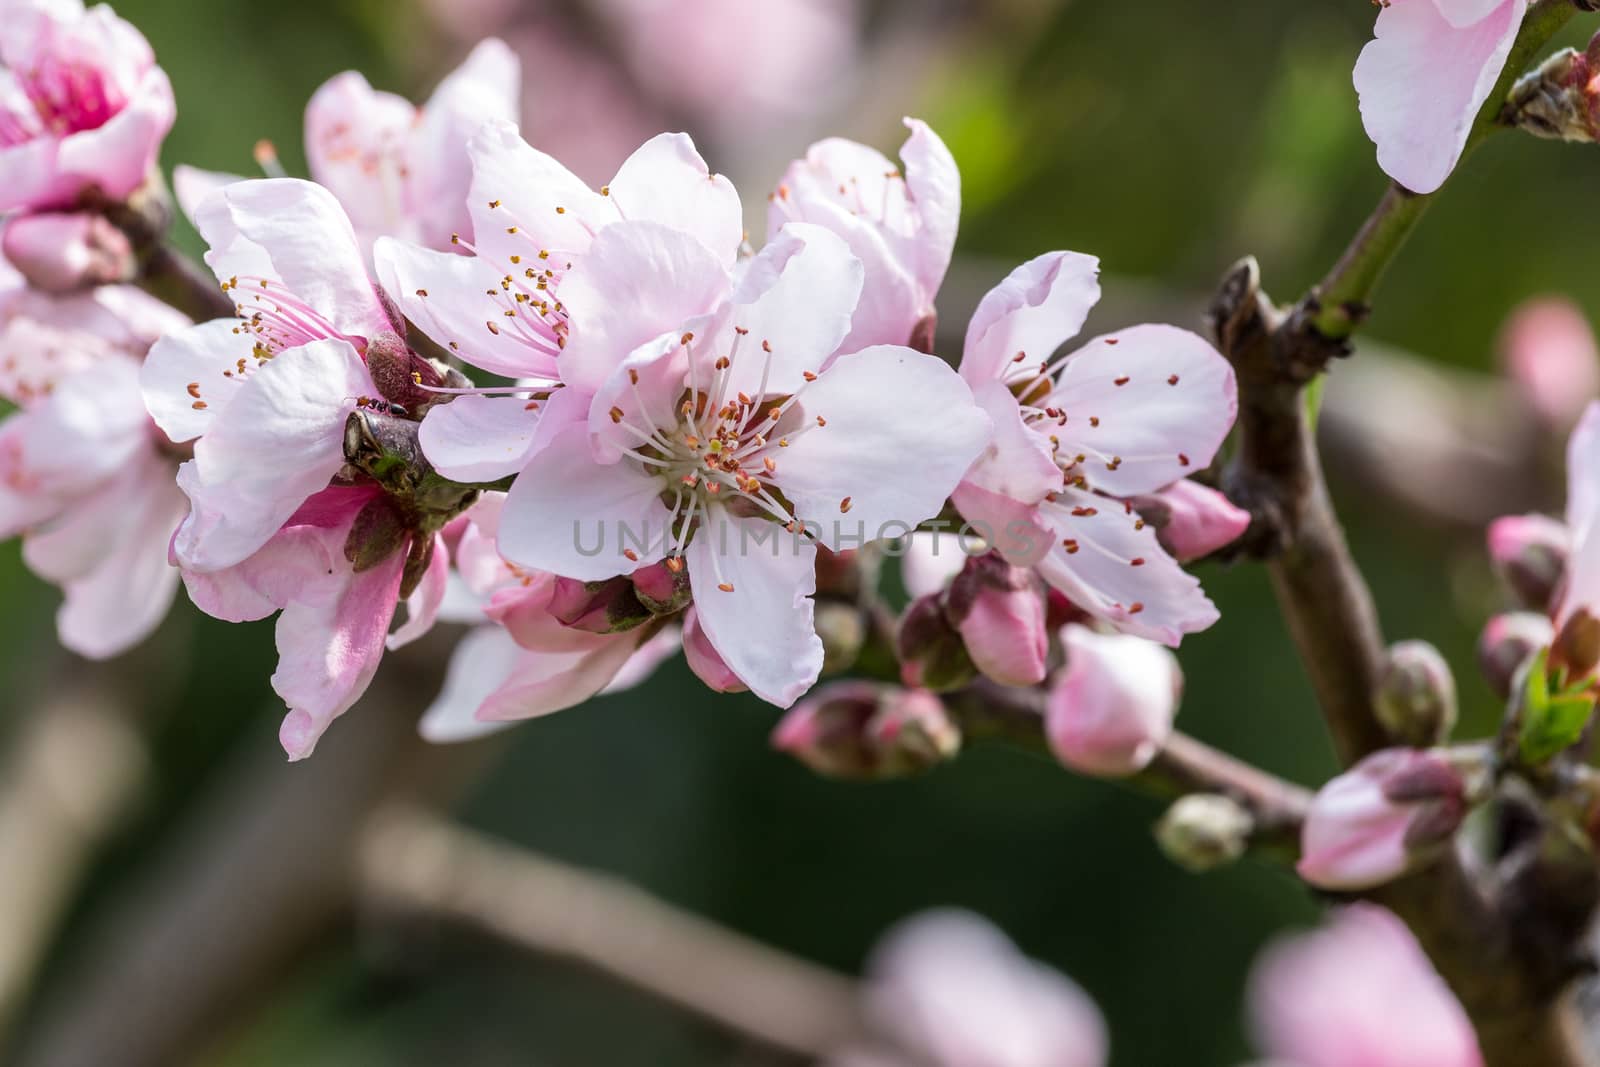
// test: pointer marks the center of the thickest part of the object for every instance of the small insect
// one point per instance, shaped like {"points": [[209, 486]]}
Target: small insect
{"points": [[381, 406]]}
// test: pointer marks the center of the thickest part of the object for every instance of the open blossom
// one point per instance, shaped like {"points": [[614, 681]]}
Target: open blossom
{"points": [[901, 225], [1358, 992], [398, 170], [1126, 415], [728, 435], [85, 477], [83, 105], [505, 308], [1426, 75], [947, 989], [520, 660]]}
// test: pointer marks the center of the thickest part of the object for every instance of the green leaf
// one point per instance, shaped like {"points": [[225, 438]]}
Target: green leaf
{"points": [[1549, 723]]}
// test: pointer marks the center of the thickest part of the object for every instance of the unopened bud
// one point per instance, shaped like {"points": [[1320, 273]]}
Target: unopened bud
{"points": [[1203, 831], [705, 661], [1508, 641], [1548, 351], [1389, 814], [999, 610], [404, 378], [861, 730], [1190, 520], [932, 654], [1558, 100], [924, 333], [377, 533], [1576, 647], [1416, 697], [1111, 708], [1530, 554], [661, 589], [843, 631], [606, 607], [846, 574], [62, 252]]}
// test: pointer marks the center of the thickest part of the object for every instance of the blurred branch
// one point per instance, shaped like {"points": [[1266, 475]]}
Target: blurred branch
{"points": [[173, 278], [414, 862], [68, 780]]}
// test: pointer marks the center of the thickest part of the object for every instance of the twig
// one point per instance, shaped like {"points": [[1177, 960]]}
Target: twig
{"points": [[171, 276], [415, 862]]}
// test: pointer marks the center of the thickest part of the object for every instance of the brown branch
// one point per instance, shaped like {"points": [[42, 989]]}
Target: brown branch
{"points": [[414, 862]]}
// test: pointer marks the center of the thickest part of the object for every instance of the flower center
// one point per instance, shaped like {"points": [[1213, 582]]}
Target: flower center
{"points": [[60, 97]]}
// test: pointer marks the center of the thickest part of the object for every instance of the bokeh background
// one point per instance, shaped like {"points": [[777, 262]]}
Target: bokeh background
{"points": [[1168, 138]]}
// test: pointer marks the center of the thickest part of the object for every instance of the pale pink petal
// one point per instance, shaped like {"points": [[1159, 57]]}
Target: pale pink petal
{"points": [[763, 627], [643, 392], [330, 640], [1093, 562], [528, 187], [193, 374], [90, 426], [1023, 320], [1583, 469], [644, 660], [930, 560], [117, 157], [1146, 406], [795, 298], [935, 185], [892, 301], [191, 186], [282, 441], [1462, 13], [901, 429], [487, 85], [1017, 463], [638, 281], [446, 297], [545, 682], [480, 664], [480, 438], [356, 149], [1423, 80], [295, 233], [1111, 709], [422, 607], [572, 516], [666, 181]]}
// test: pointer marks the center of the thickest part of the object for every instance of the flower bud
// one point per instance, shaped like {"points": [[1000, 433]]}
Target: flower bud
{"points": [[1386, 816], [1530, 554], [843, 631], [999, 610], [860, 730], [1508, 641], [61, 252], [1416, 697], [1190, 520], [378, 532], [606, 607], [1548, 351], [1203, 831], [705, 661], [1576, 647], [1111, 708], [1559, 100], [846, 574], [932, 655], [662, 590]]}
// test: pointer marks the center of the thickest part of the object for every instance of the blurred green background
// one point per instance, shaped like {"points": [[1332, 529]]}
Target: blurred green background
{"points": [[1168, 138]]}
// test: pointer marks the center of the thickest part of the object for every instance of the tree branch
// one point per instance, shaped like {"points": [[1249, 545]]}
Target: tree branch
{"points": [[414, 862]]}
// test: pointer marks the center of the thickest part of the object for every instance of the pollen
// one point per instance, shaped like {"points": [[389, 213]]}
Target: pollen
{"points": [[1070, 545], [821, 421], [493, 328], [675, 564], [1183, 460], [1136, 607], [1120, 381], [844, 506], [616, 414], [1083, 512], [1136, 561], [1173, 380], [422, 292], [1111, 340], [199, 405], [633, 557], [1094, 420], [726, 587], [808, 376], [194, 389], [494, 203], [686, 338], [770, 463]]}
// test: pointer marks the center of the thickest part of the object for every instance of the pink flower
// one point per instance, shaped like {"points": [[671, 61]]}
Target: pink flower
{"points": [[704, 660], [900, 225], [1111, 708], [999, 610], [83, 105], [266, 394], [400, 170], [1125, 415], [1424, 78], [1530, 553], [1357, 993], [85, 478], [505, 309], [947, 989], [726, 398], [1191, 520], [520, 661], [1548, 349], [1380, 819], [861, 730], [61, 252]]}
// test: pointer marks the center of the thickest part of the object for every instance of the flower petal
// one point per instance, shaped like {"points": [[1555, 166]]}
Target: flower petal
{"points": [[935, 185], [192, 374], [480, 438], [480, 664], [1023, 320], [666, 181], [763, 627], [422, 607]]}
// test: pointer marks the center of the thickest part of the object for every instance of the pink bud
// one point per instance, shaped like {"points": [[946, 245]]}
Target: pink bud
{"points": [[999, 610], [1549, 352], [856, 729], [1191, 520], [932, 654], [1111, 708], [1507, 643], [1530, 553], [1382, 818], [661, 589], [606, 607], [61, 252], [705, 661]]}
